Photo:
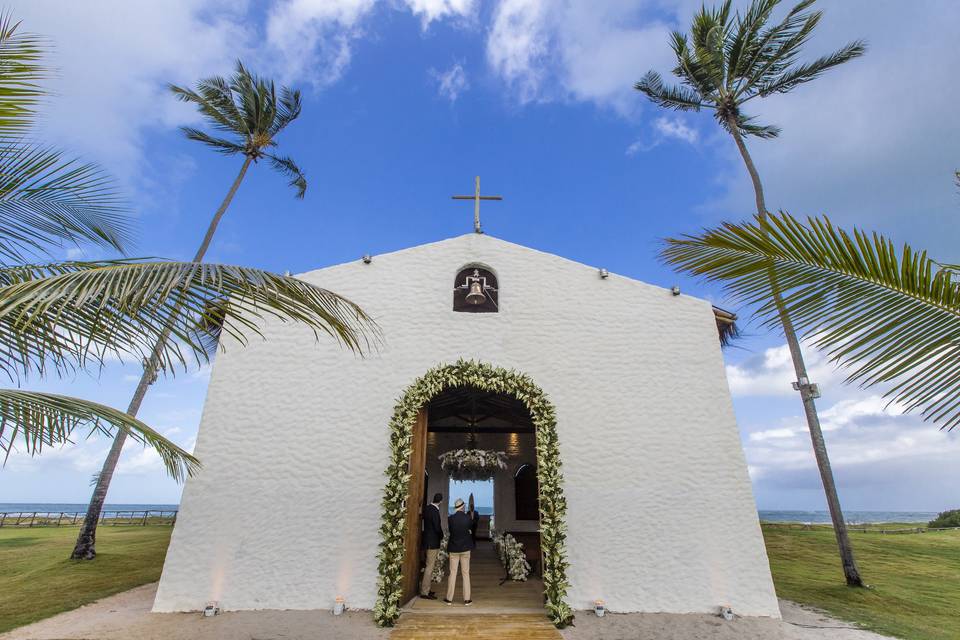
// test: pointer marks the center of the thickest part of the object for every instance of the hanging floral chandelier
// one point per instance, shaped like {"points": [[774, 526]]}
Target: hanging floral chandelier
{"points": [[473, 464]]}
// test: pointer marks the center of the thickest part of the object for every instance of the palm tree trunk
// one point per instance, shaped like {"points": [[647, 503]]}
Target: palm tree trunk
{"points": [[850, 570], [85, 548]]}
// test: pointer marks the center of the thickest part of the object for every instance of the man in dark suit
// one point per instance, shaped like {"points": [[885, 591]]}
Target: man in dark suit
{"points": [[432, 535], [459, 547]]}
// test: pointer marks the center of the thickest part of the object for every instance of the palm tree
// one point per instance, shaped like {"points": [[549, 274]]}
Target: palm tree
{"points": [[247, 110], [891, 320], [727, 61]]}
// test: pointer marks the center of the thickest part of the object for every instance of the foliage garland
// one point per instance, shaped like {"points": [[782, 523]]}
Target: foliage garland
{"points": [[553, 505], [472, 464], [440, 566], [511, 554]]}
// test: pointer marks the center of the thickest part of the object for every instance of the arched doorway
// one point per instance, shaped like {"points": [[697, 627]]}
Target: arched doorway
{"points": [[405, 472]]}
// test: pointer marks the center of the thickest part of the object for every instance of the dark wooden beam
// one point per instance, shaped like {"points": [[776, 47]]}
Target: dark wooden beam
{"points": [[480, 431]]}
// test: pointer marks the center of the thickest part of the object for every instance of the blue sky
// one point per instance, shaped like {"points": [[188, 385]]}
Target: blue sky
{"points": [[405, 101]]}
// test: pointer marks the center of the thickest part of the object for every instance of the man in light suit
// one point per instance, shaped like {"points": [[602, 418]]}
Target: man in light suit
{"points": [[432, 535], [459, 547]]}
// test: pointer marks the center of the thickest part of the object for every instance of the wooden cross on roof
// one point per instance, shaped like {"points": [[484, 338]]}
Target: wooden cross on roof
{"points": [[476, 197]]}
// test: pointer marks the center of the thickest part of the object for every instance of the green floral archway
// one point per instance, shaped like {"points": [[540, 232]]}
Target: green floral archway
{"points": [[553, 506]]}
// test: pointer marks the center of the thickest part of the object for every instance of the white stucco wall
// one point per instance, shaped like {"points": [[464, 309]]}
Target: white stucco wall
{"points": [[293, 439]]}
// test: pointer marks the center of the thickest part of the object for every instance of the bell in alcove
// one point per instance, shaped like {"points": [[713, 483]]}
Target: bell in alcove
{"points": [[476, 295]]}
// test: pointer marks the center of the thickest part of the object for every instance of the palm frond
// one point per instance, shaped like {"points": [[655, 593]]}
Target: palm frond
{"points": [[806, 72], [676, 97], [742, 47], [727, 327], [123, 309], [890, 319], [779, 46], [257, 100], [209, 326], [288, 110], [46, 200], [289, 168], [27, 272], [708, 35], [21, 70], [748, 127], [218, 92], [222, 145], [209, 105], [38, 420]]}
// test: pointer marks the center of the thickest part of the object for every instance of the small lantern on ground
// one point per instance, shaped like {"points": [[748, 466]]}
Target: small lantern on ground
{"points": [[339, 606], [212, 609], [599, 608]]}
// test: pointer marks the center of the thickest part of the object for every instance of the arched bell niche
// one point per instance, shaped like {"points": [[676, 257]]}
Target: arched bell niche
{"points": [[475, 290]]}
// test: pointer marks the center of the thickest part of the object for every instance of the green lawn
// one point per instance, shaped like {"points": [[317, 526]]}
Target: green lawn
{"points": [[37, 580], [914, 578]]}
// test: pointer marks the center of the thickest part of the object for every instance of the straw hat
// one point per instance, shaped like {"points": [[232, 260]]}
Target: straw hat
{"points": [[458, 504]]}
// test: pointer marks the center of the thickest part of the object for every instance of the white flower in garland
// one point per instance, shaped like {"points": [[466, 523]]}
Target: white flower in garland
{"points": [[473, 464], [439, 567], [512, 557]]}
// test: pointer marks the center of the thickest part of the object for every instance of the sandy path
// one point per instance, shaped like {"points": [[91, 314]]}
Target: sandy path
{"points": [[127, 615], [798, 624]]}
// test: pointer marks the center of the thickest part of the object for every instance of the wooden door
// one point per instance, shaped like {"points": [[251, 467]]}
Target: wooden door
{"points": [[411, 552]]}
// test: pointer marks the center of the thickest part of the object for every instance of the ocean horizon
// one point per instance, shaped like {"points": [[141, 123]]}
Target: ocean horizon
{"points": [[766, 515], [76, 507]]}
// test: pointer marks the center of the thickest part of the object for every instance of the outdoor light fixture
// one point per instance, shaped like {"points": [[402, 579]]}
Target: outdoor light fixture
{"points": [[339, 606], [153, 371], [599, 608], [367, 258], [726, 612], [805, 386], [675, 290], [212, 609], [604, 274], [477, 288]]}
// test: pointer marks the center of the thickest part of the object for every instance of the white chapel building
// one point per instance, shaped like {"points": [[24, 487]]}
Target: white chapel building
{"points": [[288, 509]]}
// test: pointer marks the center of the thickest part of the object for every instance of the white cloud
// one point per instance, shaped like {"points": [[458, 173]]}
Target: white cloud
{"points": [[313, 37], [783, 432], [140, 460], [452, 82], [858, 430], [111, 81], [882, 458], [517, 45], [589, 51], [665, 129], [432, 10], [676, 128], [771, 373]]}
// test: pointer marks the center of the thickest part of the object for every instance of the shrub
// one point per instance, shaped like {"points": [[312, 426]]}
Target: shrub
{"points": [[946, 519]]}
